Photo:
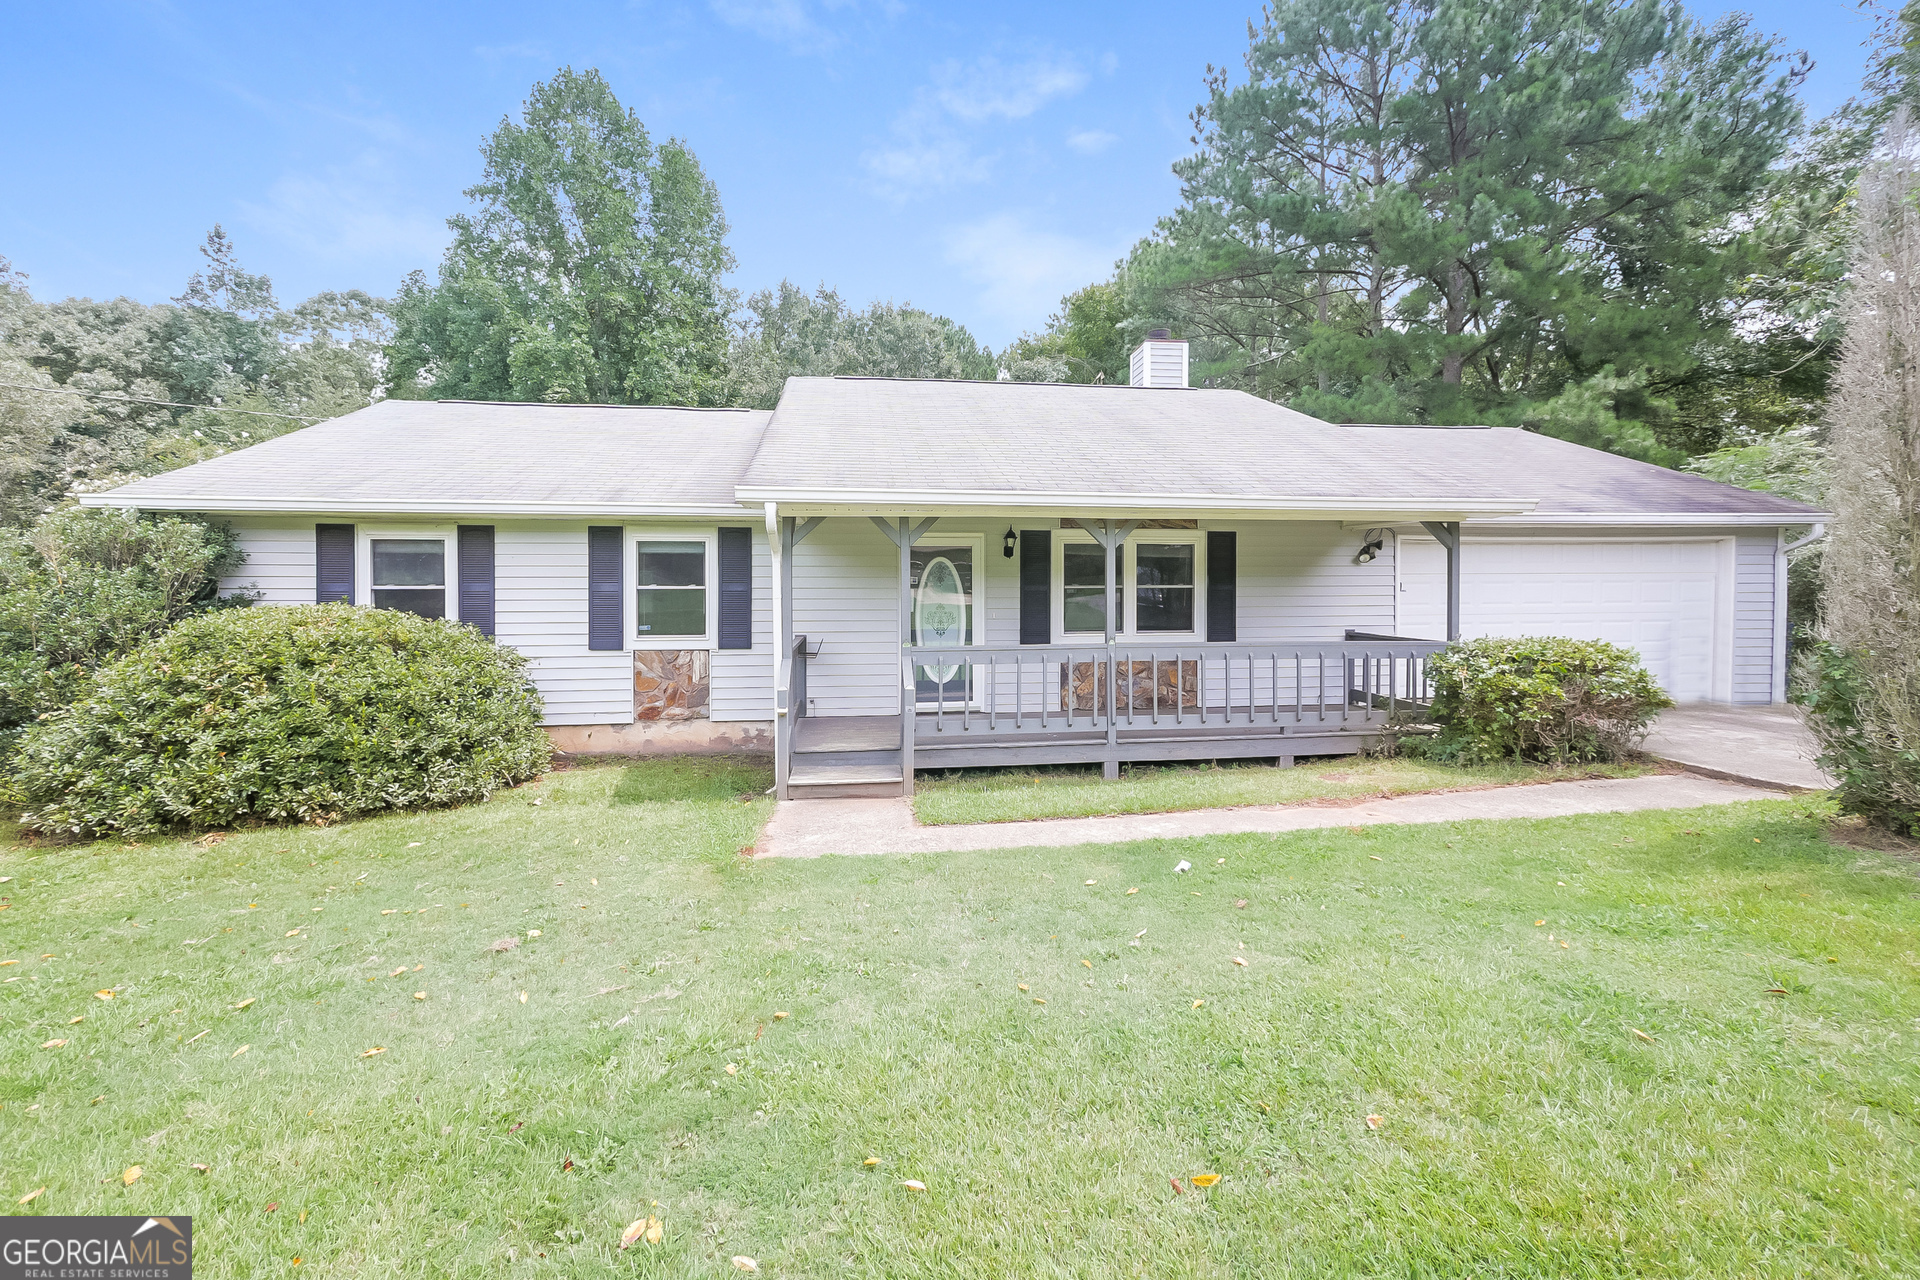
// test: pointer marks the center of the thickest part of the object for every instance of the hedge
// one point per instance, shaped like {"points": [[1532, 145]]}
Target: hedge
{"points": [[1539, 698]]}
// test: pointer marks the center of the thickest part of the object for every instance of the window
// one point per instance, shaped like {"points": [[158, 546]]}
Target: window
{"points": [[1163, 586], [1083, 589], [670, 589], [410, 574]]}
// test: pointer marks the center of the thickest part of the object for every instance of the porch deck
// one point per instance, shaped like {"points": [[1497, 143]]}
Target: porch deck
{"points": [[1051, 707]]}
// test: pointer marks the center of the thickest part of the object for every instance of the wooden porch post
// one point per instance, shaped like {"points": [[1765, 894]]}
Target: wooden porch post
{"points": [[780, 548], [907, 699], [1447, 534]]}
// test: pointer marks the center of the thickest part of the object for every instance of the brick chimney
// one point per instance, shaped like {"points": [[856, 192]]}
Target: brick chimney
{"points": [[1160, 361]]}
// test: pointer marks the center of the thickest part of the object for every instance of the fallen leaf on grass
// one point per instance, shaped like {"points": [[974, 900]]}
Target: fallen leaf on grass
{"points": [[1374, 1122], [1376, 857], [648, 1228], [1036, 1000], [272, 1205], [1090, 882], [1204, 1179], [1131, 892], [1198, 1003], [566, 1164], [533, 933], [871, 1161], [1087, 963], [379, 1048], [389, 911], [201, 1034], [733, 1068], [1240, 902], [419, 995], [1177, 1187], [1640, 1035], [397, 972], [31, 1196], [5, 963], [912, 1184], [1776, 991], [1241, 961], [242, 1049], [740, 1260], [291, 932], [103, 995], [76, 1018], [201, 1168], [1023, 986], [132, 1175], [415, 844], [505, 944], [244, 1003], [516, 1126], [1538, 923], [523, 997], [54, 1044], [780, 1015]]}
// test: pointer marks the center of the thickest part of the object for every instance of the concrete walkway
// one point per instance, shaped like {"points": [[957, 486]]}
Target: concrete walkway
{"points": [[1765, 746], [809, 828]]}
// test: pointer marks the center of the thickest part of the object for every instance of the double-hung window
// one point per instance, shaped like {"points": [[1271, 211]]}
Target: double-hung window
{"points": [[670, 591], [409, 574], [1157, 576]]}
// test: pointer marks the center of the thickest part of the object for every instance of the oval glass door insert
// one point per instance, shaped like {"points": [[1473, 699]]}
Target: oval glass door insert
{"points": [[940, 613]]}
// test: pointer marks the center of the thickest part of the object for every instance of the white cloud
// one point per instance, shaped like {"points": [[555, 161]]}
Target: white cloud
{"points": [[347, 214], [987, 90], [793, 23], [931, 148], [1023, 271], [1091, 142]]}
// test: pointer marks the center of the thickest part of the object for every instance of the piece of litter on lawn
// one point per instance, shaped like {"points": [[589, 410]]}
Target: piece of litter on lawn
{"points": [[419, 995], [913, 1184], [1219, 862], [523, 997], [533, 933], [1182, 865], [415, 844], [1092, 882], [1141, 934], [733, 1068]]}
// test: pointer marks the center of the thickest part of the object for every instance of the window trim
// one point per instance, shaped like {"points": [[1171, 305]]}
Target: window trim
{"points": [[631, 538], [448, 535], [1128, 586]]}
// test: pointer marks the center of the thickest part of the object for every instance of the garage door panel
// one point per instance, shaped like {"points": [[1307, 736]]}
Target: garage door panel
{"points": [[1657, 598]]}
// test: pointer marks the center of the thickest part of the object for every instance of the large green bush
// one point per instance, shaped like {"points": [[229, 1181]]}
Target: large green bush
{"points": [[1875, 765], [1539, 698], [308, 712], [83, 587]]}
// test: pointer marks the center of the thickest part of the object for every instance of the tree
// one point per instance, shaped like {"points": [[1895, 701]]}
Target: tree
{"points": [[590, 272], [1087, 338], [1864, 675], [787, 332], [1443, 210]]}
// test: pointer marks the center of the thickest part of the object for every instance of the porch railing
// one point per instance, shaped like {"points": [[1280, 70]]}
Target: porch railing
{"points": [[1129, 685]]}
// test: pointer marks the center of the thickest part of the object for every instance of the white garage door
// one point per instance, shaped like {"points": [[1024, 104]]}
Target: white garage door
{"points": [[1655, 597]]}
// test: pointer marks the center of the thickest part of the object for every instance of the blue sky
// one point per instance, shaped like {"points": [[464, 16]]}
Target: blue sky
{"points": [[978, 159]]}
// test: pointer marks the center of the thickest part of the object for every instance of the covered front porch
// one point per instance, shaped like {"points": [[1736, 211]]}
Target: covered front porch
{"points": [[964, 697]]}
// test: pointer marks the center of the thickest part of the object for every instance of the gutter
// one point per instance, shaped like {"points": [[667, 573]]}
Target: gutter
{"points": [[226, 505], [1451, 506]]}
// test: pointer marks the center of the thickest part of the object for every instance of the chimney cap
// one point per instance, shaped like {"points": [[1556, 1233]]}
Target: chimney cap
{"points": [[1159, 335]]}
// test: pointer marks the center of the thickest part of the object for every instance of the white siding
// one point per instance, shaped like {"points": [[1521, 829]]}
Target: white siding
{"points": [[846, 592], [1299, 584], [1754, 618], [540, 608], [279, 563]]}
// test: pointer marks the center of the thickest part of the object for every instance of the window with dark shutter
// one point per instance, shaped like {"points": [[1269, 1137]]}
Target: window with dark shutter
{"points": [[736, 588], [476, 576], [332, 563], [604, 612], [1223, 623], [1036, 586]]}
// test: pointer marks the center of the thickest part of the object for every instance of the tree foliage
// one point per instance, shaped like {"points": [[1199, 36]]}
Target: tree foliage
{"points": [[83, 587], [589, 273], [787, 332], [1516, 211], [224, 348], [1864, 684], [1088, 339]]}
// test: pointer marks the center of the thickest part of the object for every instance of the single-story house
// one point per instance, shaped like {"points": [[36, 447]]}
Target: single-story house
{"points": [[1035, 572]]}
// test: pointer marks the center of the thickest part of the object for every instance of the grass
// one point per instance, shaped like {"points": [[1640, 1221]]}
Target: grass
{"points": [[1524, 1130], [1009, 795]]}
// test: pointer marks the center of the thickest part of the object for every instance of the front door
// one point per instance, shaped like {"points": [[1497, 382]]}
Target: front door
{"points": [[943, 617]]}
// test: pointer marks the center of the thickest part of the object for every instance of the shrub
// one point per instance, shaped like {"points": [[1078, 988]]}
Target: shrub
{"points": [[308, 712], [1539, 698], [1864, 748], [83, 587]]}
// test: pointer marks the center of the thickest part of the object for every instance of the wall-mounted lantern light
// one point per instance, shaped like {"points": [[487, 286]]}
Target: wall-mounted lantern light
{"points": [[1370, 545], [1008, 543]]}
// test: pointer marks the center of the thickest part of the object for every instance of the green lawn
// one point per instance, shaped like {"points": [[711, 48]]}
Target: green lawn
{"points": [[1524, 1130], [1008, 795]]}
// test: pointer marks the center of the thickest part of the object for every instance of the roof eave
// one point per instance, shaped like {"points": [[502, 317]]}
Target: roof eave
{"points": [[1251, 506], [227, 505]]}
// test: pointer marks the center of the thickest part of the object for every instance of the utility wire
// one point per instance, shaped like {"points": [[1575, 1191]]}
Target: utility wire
{"points": [[170, 404]]}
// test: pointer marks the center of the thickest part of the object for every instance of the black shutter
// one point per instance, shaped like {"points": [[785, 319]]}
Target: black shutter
{"points": [[476, 577], [736, 588], [332, 563], [1036, 586], [1222, 572], [605, 615]]}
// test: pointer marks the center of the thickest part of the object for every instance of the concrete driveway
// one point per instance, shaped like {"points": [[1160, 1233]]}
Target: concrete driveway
{"points": [[1767, 746]]}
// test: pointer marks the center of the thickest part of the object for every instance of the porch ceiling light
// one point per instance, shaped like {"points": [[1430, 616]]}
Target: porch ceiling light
{"points": [[1370, 545], [1009, 542]]}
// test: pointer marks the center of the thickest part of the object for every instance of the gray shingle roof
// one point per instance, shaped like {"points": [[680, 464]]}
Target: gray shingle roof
{"points": [[416, 455], [1030, 443], [868, 434]]}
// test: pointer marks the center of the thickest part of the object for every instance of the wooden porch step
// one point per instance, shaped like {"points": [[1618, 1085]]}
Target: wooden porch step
{"points": [[814, 779]]}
